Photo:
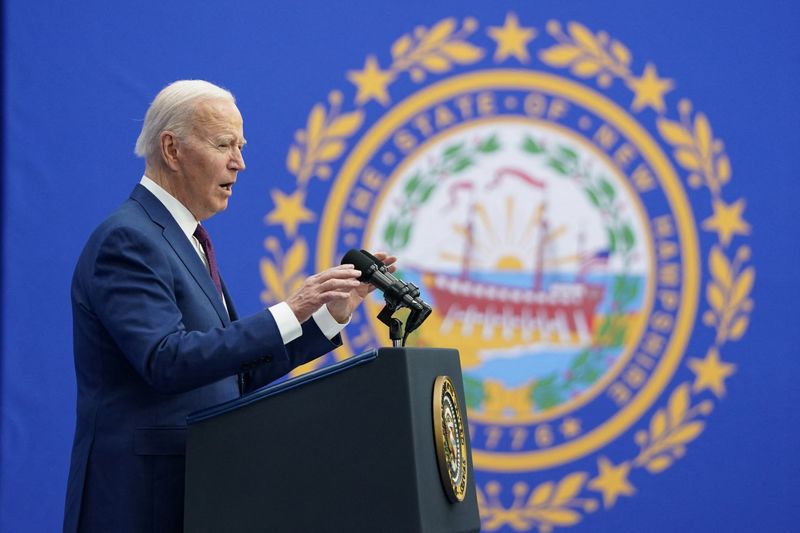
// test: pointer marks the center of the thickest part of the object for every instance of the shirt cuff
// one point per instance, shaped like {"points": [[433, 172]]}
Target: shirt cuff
{"points": [[288, 324], [327, 324]]}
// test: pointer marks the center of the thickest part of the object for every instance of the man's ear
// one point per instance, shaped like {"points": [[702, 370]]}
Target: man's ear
{"points": [[169, 149]]}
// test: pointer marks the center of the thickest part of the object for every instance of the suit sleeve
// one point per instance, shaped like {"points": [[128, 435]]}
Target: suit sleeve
{"points": [[132, 290], [308, 346]]}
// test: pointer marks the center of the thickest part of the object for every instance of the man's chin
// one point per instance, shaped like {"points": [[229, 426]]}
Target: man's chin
{"points": [[222, 202], [212, 210]]}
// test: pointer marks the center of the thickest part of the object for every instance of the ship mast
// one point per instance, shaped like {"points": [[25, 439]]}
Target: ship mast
{"points": [[581, 253], [538, 269], [468, 242]]}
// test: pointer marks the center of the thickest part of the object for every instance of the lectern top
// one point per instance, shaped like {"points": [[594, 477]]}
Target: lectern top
{"points": [[278, 388]]}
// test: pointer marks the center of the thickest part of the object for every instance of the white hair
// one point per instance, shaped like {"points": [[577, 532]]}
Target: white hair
{"points": [[172, 110]]}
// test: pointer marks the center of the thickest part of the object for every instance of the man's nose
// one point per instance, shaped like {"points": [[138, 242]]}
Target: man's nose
{"points": [[237, 161]]}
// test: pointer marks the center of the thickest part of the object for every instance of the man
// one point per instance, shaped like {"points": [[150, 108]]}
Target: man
{"points": [[156, 335]]}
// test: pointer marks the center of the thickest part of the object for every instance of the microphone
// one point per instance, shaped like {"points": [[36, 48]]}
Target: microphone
{"points": [[395, 291]]}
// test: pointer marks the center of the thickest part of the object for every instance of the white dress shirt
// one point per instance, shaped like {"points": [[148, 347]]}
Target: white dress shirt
{"points": [[288, 325]]}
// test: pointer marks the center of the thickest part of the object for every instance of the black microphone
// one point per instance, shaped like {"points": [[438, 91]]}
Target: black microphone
{"points": [[394, 290]]}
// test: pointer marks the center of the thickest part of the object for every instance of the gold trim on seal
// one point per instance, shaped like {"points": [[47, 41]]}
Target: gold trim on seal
{"points": [[451, 443]]}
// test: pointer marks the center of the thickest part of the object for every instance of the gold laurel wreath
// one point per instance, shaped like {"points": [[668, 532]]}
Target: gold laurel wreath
{"points": [[728, 294], [547, 506], [587, 55], [671, 428], [323, 140], [285, 274], [696, 149], [434, 50]]}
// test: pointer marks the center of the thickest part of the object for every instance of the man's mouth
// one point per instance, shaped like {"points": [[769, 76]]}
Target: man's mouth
{"points": [[227, 186]]}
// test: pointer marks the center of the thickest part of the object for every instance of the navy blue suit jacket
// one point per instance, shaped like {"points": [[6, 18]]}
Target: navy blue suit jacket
{"points": [[153, 342]]}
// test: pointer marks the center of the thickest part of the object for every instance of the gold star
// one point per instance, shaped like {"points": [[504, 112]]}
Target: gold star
{"points": [[727, 220], [371, 82], [711, 373], [612, 481], [570, 427], [649, 89], [289, 211], [511, 39]]}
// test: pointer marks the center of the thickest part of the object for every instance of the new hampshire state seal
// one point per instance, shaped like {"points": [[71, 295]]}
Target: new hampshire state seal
{"points": [[567, 214]]}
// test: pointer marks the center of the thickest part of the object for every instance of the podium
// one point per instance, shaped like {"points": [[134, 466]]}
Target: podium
{"points": [[348, 448]]}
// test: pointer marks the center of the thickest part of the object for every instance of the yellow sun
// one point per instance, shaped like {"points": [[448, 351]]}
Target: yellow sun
{"points": [[509, 262], [507, 243]]}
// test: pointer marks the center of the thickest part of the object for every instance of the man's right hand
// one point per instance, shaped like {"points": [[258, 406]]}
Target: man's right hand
{"points": [[330, 285]]}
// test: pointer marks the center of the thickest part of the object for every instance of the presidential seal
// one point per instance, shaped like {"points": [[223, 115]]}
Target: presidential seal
{"points": [[451, 444], [567, 215]]}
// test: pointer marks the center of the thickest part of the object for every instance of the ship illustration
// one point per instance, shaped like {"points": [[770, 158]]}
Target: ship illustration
{"points": [[475, 313]]}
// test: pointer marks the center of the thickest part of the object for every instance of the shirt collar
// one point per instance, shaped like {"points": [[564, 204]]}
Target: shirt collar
{"points": [[179, 212]]}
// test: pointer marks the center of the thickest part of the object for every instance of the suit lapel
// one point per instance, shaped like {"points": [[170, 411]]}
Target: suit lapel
{"points": [[182, 247], [231, 309]]}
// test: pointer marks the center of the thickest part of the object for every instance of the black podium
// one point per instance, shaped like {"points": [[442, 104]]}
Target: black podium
{"points": [[347, 448]]}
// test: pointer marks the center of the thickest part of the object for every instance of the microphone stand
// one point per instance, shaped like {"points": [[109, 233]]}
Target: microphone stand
{"points": [[395, 325], [395, 299], [396, 333], [414, 320]]}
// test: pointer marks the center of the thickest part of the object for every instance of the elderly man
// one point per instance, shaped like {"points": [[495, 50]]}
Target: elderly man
{"points": [[156, 334]]}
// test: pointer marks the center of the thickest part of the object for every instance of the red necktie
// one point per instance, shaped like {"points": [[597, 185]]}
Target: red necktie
{"points": [[205, 241]]}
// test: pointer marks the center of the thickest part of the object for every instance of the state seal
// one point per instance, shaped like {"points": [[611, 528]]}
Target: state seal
{"points": [[549, 212]]}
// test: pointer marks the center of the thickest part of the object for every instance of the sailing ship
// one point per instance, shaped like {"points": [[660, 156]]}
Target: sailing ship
{"points": [[558, 313]]}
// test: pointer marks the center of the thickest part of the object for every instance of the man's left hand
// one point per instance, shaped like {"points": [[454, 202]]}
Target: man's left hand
{"points": [[342, 309]]}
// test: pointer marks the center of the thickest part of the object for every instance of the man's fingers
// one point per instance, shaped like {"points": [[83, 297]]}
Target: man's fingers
{"points": [[338, 272], [332, 296], [386, 259], [337, 284], [332, 285]]}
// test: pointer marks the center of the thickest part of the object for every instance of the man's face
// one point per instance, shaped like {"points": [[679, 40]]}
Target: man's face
{"points": [[210, 158]]}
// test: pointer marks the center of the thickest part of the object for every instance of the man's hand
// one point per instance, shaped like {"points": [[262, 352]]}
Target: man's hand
{"points": [[334, 287], [341, 309], [337, 287]]}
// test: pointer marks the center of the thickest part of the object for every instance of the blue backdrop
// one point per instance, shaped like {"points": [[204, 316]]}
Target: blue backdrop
{"points": [[78, 79]]}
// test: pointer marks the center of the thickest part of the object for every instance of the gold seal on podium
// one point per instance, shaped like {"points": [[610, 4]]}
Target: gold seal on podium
{"points": [[451, 444]]}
